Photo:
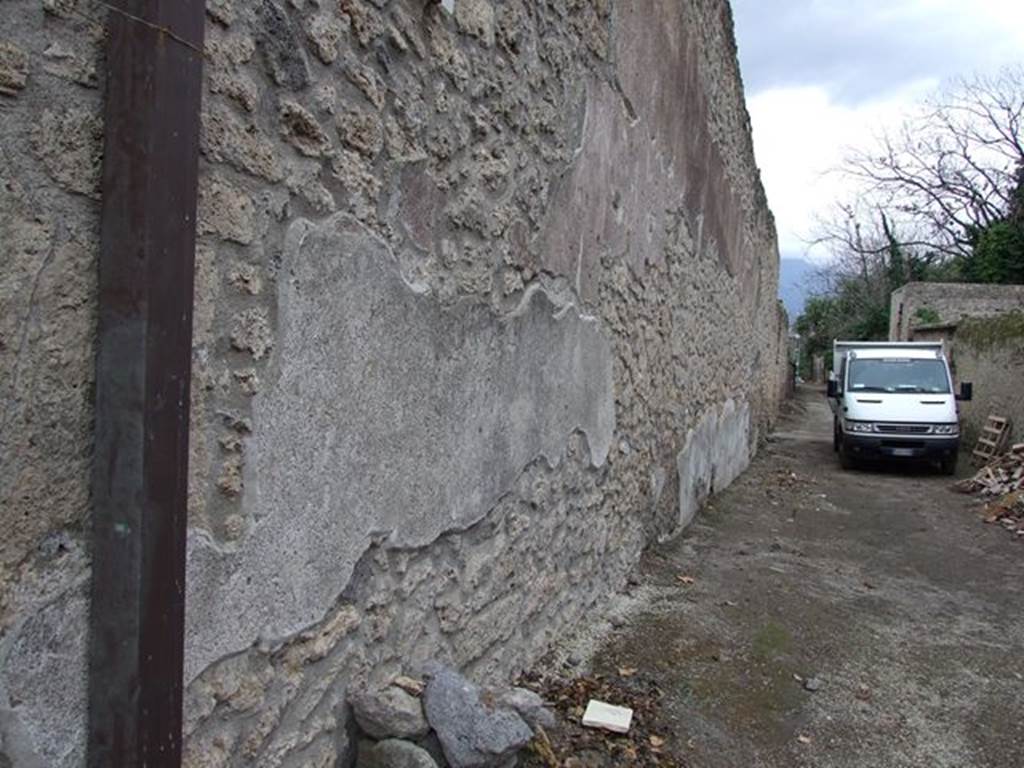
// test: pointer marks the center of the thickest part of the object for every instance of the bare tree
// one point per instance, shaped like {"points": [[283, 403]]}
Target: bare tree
{"points": [[867, 245], [860, 251], [953, 170]]}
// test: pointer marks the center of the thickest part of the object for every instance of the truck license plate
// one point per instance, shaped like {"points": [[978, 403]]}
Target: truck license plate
{"points": [[902, 451]]}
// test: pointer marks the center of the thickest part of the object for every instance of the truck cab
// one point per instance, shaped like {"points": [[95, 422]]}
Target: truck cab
{"points": [[894, 400]]}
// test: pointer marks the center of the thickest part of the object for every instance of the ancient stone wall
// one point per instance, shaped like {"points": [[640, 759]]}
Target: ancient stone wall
{"points": [[485, 303], [937, 303], [50, 121]]}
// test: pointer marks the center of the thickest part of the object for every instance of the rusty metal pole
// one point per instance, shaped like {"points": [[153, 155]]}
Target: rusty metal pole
{"points": [[143, 372]]}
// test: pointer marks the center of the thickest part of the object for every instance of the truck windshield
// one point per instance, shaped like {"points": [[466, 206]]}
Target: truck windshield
{"points": [[898, 375]]}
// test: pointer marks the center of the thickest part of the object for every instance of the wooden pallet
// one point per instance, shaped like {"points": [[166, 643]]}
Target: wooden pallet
{"points": [[990, 443]]}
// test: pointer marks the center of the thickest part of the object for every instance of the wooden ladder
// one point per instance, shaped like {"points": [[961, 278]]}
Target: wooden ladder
{"points": [[993, 435]]}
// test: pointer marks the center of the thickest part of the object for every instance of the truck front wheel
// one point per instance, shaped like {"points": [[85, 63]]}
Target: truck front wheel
{"points": [[846, 461], [948, 464]]}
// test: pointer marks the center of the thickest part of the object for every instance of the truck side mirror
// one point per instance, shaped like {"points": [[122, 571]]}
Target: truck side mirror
{"points": [[832, 389], [966, 392]]}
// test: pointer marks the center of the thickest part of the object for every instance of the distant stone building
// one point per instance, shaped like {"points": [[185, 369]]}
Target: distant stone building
{"points": [[935, 304], [989, 352], [983, 329]]}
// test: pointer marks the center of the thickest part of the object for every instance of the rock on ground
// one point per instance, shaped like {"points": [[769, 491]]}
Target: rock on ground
{"points": [[472, 734], [393, 753], [389, 713], [529, 705]]}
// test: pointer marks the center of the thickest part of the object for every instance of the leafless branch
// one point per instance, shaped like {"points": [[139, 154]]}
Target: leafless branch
{"points": [[952, 170]]}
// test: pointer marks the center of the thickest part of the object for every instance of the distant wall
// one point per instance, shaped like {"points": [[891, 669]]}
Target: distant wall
{"points": [[940, 303], [818, 373], [980, 325], [788, 352], [989, 352], [485, 303]]}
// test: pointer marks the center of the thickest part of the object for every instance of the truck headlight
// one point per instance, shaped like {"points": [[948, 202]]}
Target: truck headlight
{"points": [[859, 426], [947, 429]]}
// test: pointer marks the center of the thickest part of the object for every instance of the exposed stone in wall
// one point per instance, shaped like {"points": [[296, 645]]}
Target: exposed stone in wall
{"points": [[428, 432], [68, 143], [487, 599], [225, 210], [49, 162], [485, 301], [13, 69]]}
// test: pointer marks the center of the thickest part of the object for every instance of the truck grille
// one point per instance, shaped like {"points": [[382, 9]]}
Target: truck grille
{"points": [[904, 429], [902, 443]]}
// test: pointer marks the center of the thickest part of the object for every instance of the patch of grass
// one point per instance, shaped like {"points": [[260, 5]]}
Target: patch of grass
{"points": [[984, 332], [926, 316], [771, 640], [752, 696]]}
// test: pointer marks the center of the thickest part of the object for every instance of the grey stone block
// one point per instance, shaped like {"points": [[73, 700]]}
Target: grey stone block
{"points": [[389, 713], [394, 753], [529, 705], [285, 57], [472, 734]]}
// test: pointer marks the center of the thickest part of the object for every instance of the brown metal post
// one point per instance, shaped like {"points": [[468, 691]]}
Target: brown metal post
{"points": [[143, 372]]}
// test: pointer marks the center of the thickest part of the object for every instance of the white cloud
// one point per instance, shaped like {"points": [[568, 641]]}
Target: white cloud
{"points": [[825, 75], [862, 50], [800, 139]]}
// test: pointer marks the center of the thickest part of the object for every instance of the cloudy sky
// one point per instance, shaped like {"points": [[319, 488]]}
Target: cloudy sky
{"points": [[823, 75]]}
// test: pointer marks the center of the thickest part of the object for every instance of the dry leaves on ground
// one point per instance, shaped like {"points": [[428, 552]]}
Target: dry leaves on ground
{"points": [[570, 745]]}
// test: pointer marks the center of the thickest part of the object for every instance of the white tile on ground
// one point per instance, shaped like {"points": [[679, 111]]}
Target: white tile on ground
{"points": [[607, 716]]}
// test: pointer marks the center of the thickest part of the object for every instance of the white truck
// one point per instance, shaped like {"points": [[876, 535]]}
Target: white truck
{"points": [[895, 400]]}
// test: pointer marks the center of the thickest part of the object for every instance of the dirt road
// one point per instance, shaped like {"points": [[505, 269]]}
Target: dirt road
{"points": [[879, 588]]}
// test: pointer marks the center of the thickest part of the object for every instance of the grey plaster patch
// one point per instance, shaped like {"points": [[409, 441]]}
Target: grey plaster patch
{"points": [[43, 685], [716, 451], [390, 418]]}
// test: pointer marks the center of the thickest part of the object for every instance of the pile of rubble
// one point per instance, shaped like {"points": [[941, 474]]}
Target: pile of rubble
{"points": [[1001, 483], [445, 721]]}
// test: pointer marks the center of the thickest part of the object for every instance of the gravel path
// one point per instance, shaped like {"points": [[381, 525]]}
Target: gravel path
{"points": [[815, 617]]}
